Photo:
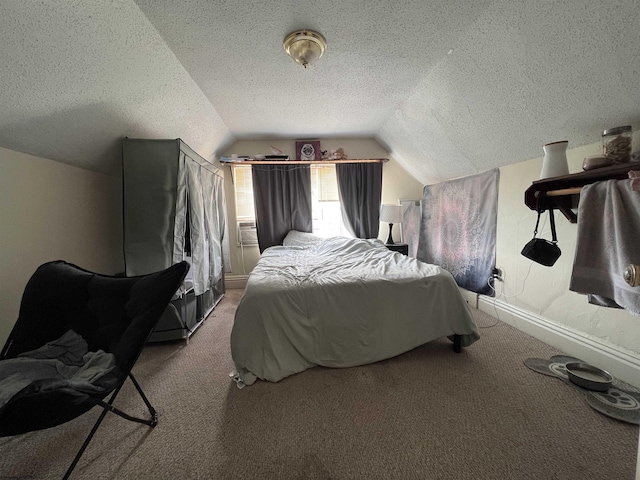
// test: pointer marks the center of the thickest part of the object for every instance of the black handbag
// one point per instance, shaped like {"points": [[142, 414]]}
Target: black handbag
{"points": [[543, 251]]}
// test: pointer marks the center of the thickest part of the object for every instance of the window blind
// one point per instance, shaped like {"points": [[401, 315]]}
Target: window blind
{"points": [[324, 184], [244, 192]]}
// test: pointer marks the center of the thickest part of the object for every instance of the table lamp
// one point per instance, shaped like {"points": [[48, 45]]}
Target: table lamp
{"points": [[391, 214]]}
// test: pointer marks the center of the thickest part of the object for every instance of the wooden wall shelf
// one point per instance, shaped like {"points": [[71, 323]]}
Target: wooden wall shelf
{"points": [[307, 162], [563, 193]]}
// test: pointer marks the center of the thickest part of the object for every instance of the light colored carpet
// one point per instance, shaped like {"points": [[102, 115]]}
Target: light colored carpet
{"points": [[427, 414]]}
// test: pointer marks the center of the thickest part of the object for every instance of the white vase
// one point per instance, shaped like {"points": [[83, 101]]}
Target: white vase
{"points": [[554, 163]]}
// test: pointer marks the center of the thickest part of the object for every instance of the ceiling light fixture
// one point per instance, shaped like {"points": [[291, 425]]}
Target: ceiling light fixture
{"points": [[305, 46]]}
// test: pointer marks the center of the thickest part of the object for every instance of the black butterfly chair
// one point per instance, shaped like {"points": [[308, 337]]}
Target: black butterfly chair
{"points": [[113, 314]]}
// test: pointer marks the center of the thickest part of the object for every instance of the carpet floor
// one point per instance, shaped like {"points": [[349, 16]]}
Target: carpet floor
{"points": [[427, 414]]}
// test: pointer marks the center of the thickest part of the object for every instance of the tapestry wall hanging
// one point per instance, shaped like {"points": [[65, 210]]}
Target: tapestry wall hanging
{"points": [[411, 218], [458, 228]]}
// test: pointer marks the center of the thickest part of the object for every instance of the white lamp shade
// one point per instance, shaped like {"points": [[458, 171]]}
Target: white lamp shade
{"points": [[391, 214]]}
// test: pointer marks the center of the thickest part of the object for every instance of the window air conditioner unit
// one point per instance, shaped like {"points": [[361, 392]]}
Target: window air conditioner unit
{"points": [[247, 233]]}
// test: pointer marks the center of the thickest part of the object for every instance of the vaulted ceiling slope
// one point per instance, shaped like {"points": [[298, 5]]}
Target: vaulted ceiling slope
{"points": [[450, 87]]}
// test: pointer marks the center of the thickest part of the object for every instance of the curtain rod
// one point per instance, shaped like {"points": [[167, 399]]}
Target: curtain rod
{"points": [[307, 162]]}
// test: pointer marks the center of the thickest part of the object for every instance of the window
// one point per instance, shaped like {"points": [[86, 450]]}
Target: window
{"points": [[325, 202], [243, 185]]}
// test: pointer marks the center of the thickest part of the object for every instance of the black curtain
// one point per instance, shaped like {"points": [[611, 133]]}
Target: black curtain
{"points": [[282, 198], [360, 190]]}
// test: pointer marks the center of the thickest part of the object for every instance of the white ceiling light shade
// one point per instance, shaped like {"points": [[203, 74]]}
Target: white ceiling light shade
{"points": [[305, 46]]}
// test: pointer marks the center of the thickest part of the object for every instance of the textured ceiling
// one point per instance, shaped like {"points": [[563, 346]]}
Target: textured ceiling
{"points": [[76, 77], [450, 87]]}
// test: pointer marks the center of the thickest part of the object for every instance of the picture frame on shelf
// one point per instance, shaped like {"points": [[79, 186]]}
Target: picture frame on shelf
{"points": [[308, 150]]}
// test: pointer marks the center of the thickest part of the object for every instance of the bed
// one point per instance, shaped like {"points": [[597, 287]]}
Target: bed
{"points": [[340, 302]]}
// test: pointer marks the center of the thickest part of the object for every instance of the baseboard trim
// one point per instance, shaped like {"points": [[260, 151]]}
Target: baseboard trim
{"points": [[470, 297], [620, 363], [235, 281]]}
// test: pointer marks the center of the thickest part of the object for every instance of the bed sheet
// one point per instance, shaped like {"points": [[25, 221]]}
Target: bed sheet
{"points": [[341, 302]]}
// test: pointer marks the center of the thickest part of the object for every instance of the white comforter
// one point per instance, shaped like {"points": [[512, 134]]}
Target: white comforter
{"points": [[338, 303]]}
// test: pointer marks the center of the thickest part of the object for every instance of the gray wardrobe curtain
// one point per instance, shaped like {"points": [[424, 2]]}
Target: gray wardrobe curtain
{"points": [[360, 190], [197, 224], [282, 198], [214, 222]]}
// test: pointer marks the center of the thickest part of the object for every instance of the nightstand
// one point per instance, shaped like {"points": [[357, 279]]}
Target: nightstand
{"points": [[398, 247]]}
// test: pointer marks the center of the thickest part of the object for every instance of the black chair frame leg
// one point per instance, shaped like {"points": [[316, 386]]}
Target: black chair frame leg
{"points": [[108, 407]]}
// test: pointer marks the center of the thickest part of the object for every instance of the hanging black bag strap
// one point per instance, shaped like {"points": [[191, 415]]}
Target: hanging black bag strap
{"points": [[535, 230], [554, 239]]}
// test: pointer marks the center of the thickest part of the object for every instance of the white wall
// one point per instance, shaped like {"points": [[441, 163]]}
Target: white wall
{"points": [[544, 291], [52, 211], [396, 184]]}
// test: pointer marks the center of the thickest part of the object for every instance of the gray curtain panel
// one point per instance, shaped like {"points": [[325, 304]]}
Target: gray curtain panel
{"points": [[458, 228], [282, 198], [360, 190]]}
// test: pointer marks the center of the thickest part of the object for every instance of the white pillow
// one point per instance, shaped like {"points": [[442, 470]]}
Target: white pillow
{"points": [[300, 239]]}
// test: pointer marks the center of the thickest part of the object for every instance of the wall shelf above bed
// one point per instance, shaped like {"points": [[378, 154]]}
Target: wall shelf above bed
{"points": [[307, 162], [563, 193]]}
